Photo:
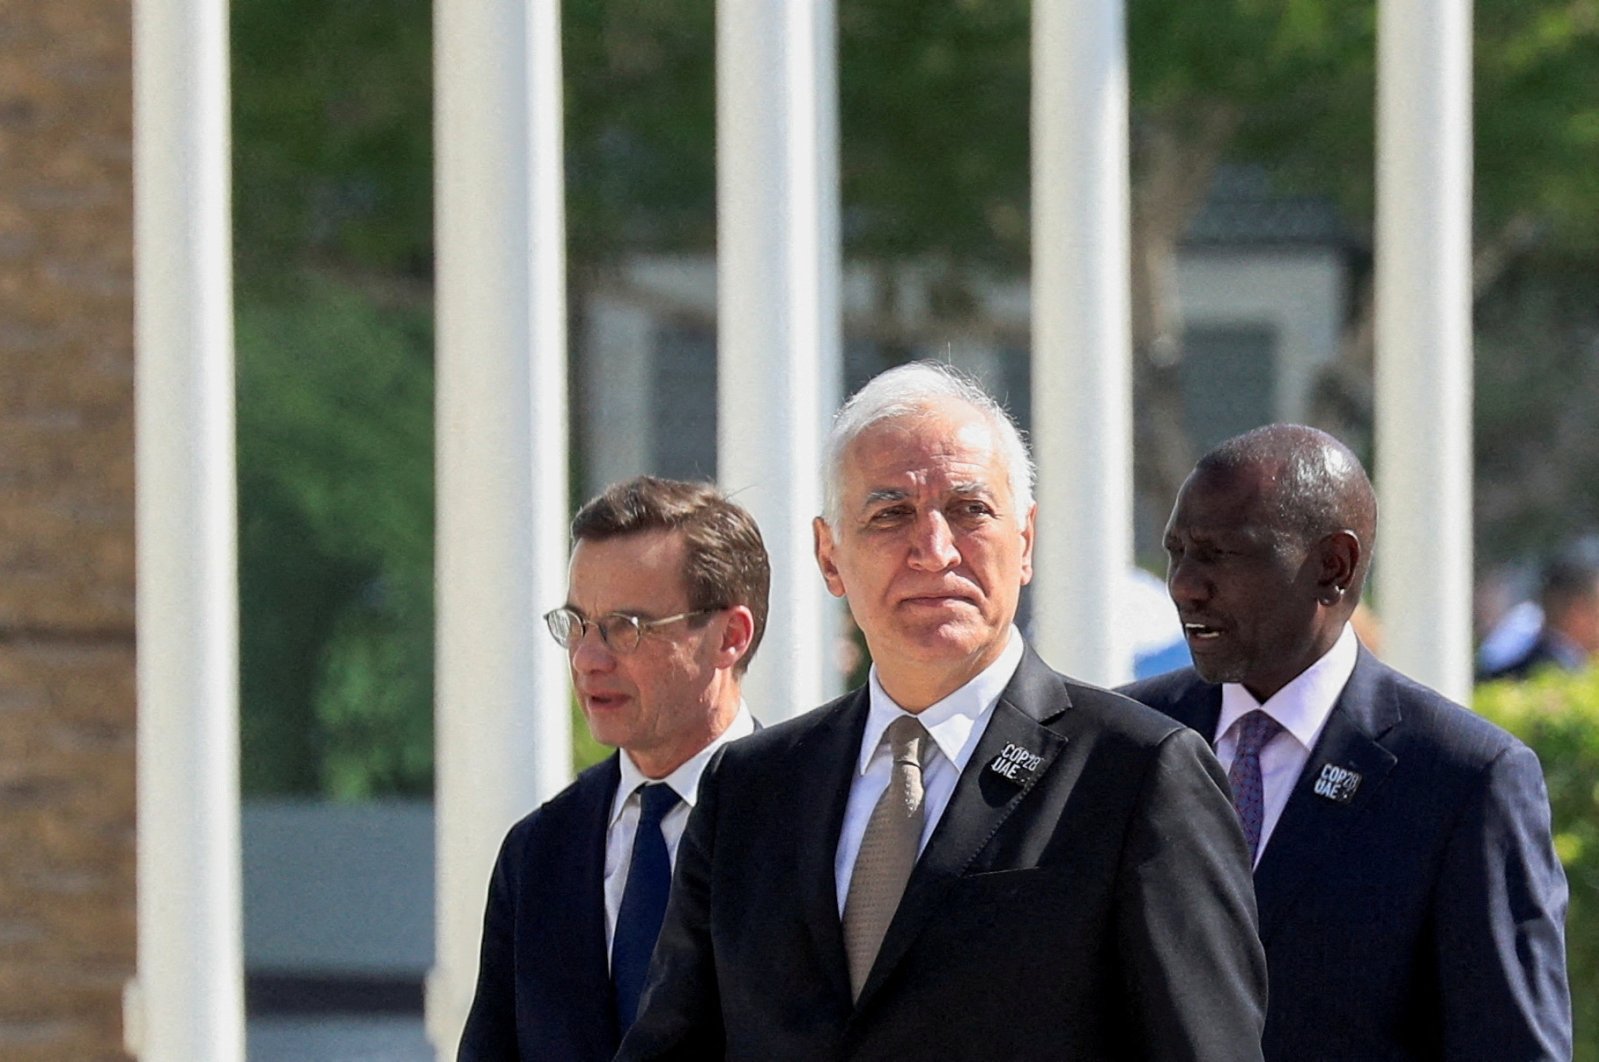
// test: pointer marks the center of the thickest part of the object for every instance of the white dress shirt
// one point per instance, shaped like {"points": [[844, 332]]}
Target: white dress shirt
{"points": [[1302, 708], [955, 723], [685, 782]]}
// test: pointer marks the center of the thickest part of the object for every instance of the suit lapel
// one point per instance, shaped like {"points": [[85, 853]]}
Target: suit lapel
{"points": [[826, 764], [981, 802], [1315, 826]]}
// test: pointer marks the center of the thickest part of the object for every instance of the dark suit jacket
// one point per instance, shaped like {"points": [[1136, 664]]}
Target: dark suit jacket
{"points": [[1096, 907], [544, 984], [1421, 918]]}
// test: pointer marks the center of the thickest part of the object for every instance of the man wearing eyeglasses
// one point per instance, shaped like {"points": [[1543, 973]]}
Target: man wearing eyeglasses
{"points": [[666, 604]]}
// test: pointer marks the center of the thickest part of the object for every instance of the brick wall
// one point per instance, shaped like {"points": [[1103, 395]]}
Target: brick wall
{"points": [[67, 922]]}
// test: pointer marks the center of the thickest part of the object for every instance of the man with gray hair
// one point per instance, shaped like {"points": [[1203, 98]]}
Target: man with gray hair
{"points": [[972, 856]]}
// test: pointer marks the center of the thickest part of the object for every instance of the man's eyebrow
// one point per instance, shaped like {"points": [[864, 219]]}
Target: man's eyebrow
{"points": [[884, 494]]}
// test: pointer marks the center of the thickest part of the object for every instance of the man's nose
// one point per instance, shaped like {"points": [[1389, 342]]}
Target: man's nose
{"points": [[1185, 583], [933, 544], [591, 653]]}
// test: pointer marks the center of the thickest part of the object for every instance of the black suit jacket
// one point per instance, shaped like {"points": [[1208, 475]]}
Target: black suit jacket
{"points": [[544, 985], [1420, 916], [1095, 907]]}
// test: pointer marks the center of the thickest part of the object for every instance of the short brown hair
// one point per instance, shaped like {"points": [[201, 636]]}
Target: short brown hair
{"points": [[725, 562]]}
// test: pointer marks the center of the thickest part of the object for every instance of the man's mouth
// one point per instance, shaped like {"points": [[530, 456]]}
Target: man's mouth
{"points": [[935, 600], [1200, 632]]}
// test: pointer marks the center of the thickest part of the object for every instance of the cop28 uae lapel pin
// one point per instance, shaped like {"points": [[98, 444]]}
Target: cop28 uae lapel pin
{"points": [[1016, 764], [1337, 784]]}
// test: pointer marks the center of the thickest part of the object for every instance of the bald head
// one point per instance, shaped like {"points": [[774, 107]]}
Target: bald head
{"points": [[1312, 485], [1267, 548]]}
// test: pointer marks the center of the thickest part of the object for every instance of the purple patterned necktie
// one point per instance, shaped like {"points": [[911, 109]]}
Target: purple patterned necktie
{"points": [[1249, 794]]}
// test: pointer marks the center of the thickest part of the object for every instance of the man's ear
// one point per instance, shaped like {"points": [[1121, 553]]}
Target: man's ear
{"points": [[1339, 556], [1028, 534], [737, 633], [822, 537]]}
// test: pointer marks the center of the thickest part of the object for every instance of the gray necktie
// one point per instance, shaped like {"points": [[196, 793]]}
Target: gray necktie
{"points": [[888, 851]]}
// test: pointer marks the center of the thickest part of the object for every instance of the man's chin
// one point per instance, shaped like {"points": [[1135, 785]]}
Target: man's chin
{"points": [[606, 730], [1217, 672], [950, 643]]}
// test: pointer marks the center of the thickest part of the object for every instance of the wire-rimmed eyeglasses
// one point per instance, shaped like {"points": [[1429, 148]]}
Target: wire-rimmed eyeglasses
{"points": [[620, 631]]}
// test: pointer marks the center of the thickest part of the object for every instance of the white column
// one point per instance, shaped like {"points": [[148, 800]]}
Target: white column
{"points": [[778, 345], [503, 728], [188, 1001], [1082, 382], [1423, 354]]}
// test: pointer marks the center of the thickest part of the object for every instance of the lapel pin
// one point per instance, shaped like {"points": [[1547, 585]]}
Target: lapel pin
{"points": [[1016, 764], [1337, 784]]}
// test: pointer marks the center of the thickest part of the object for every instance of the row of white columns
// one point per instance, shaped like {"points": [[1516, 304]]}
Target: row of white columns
{"points": [[502, 712]]}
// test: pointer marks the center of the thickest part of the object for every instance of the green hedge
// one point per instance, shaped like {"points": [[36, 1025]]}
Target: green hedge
{"points": [[1558, 715]]}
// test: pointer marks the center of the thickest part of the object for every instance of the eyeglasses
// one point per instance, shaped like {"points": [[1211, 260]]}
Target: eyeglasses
{"points": [[620, 631]]}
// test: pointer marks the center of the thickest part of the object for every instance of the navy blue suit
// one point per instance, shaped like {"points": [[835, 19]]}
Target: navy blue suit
{"points": [[1420, 915], [544, 983]]}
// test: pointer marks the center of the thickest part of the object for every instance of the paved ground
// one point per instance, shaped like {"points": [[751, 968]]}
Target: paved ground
{"points": [[333, 1038]]}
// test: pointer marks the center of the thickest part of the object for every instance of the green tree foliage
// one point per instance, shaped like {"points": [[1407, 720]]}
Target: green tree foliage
{"points": [[332, 135], [333, 130], [332, 230], [1557, 714], [1537, 121], [640, 114], [934, 130], [335, 443]]}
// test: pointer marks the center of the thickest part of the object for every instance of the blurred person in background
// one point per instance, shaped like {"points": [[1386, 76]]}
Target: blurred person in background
{"points": [[1568, 635], [1504, 620]]}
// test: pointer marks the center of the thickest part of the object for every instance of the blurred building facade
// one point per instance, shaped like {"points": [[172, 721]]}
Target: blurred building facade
{"points": [[1262, 280], [67, 722]]}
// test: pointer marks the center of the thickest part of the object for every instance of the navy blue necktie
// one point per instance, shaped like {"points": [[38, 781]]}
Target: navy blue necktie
{"points": [[638, 922]]}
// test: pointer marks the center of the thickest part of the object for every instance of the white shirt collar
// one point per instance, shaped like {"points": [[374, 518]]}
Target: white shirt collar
{"points": [[1302, 706], [685, 781], [953, 721]]}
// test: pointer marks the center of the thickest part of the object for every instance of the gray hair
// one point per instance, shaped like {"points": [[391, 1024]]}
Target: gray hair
{"points": [[909, 391]]}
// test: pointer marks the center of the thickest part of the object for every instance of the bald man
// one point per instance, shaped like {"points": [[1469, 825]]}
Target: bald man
{"points": [[1410, 901]]}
